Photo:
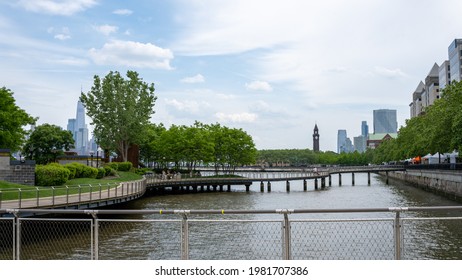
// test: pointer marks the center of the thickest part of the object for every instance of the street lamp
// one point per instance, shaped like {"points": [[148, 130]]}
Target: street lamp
{"points": [[98, 153], [91, 156]]}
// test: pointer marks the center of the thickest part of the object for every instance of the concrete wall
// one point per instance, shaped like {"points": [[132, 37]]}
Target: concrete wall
{"points": [[443, 182], [19, 172]]}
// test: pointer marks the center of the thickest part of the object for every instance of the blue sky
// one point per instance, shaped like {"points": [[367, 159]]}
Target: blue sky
{"points": [[272, 68]]}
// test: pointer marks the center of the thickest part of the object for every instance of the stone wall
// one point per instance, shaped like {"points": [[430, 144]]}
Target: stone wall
{"points": [[444, 182], [15, 171]]}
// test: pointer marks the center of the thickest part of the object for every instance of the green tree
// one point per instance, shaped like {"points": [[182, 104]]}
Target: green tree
{"points": [[149, 147], [47, 142], [120, 109], [12, 121]]}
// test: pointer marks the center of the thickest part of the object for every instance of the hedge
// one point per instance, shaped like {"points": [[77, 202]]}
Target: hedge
{"points": [[124, 166], [51, 175]]}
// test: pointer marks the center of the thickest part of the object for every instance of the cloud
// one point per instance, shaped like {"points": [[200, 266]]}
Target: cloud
{"points": [[123, 12], [193, 80], [106, 29], [190, 106], [57, 7], [237, 117], [132, 54], [60, 34], [259, 85], [389, 73]]}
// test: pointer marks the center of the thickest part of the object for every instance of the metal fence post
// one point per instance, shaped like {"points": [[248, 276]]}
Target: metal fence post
{"points": [[184, 237], [397, 235], [38, 195], [53, 196], [287, 249], [19, 196]]}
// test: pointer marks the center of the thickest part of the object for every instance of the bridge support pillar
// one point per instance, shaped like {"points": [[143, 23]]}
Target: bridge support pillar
{"points": [[368, 178], [194, 189], [262, 186], [214, 188], [287, 186], [304, 185], [352, 179], [221, 188], [340, 179], [229, 188], [386, 180], [269, 186], [330, 180], [316, 183], [323, 182], [202, 188], [247, 188], [208, 188]]}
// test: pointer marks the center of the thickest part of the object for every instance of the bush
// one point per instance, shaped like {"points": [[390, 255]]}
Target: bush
{"points": [[51, 175], [72, 169], [101, 173], [113, 165], [89, 172], [109, 171], [79, 167], [142, 171], [124, 166]]}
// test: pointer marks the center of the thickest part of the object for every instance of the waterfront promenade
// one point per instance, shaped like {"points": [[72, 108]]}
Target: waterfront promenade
{"points": [[99, 196]]}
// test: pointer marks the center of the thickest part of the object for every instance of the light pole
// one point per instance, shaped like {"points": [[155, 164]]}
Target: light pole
{"points": [[91, 158]]}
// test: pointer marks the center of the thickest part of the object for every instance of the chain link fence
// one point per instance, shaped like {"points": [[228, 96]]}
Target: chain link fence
{"points": [[202, 234]]}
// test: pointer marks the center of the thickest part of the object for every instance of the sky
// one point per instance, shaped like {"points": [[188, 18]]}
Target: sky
{"points": [[272, 68]]}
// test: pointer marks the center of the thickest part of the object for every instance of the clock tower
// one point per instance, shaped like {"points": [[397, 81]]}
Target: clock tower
{"points": [[316, 138]]}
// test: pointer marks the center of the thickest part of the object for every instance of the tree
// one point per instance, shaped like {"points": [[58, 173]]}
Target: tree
{"points": [[12, 121], [120, 109], [47, 142]]}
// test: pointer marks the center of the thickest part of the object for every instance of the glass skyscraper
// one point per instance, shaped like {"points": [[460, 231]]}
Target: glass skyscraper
{"points": [[79, 131], [385, 121], [455, 60]]}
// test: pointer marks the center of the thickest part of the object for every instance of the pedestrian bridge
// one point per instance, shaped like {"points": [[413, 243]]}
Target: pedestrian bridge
{"points": [[95, 196]]}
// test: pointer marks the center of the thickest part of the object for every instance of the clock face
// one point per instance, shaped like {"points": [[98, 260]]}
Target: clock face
{"points": [[316, 137]]}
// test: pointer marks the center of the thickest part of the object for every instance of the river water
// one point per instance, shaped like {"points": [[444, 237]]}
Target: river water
{"points": [[259, 236]]}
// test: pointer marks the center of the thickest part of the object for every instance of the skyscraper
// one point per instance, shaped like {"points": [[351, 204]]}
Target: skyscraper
{"points": [[455, 60], [316, 138], [385, 121], [364, 129], [344, 144], [79, 131]]}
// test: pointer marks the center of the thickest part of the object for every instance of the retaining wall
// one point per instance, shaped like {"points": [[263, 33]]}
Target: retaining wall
{"points": [[444, 182]]}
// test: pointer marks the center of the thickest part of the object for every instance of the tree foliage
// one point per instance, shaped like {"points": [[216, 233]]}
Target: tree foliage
{"points": [[47, 142], [188, 146], [120, 110], [12, 121]]}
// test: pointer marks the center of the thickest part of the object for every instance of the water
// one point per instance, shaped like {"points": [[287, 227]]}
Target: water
{"points": [[259, 236]]}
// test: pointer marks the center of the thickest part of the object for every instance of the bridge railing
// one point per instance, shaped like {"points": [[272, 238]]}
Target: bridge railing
{"points": [[35, 197], [372, 233]]}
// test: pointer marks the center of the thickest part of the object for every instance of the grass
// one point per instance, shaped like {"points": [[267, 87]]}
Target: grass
{"points": [[10, 191]]}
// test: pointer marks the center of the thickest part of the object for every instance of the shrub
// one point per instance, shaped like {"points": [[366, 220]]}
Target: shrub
{"points": [[124, 166], [89, 172], [109, 171], [142, 171], [113, 165], [72, 169], [101, 173], [51, 175], [79, 167]]}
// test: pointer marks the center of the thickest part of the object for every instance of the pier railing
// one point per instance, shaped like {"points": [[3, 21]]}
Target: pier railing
{"points": [[372, 233]]}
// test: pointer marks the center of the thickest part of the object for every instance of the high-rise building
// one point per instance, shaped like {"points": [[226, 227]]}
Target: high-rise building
{"points": [[360, 143], [316, 138], [344, 144], [364, 129], [444, 74], [385, 121], [455, 60], [79, 131]]}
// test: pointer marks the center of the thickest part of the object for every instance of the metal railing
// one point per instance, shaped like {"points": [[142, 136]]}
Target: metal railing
{"points": [[68, 195], [372, 233]]}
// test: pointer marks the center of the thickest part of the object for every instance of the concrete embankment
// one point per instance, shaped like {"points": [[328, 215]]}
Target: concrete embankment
{"points": [[447, 183]]}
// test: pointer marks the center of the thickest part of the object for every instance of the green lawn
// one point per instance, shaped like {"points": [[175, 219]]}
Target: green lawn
{"points": [[10, 191]]}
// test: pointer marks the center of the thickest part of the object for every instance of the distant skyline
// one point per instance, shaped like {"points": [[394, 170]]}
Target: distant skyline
{"points": [[272, 68]]}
